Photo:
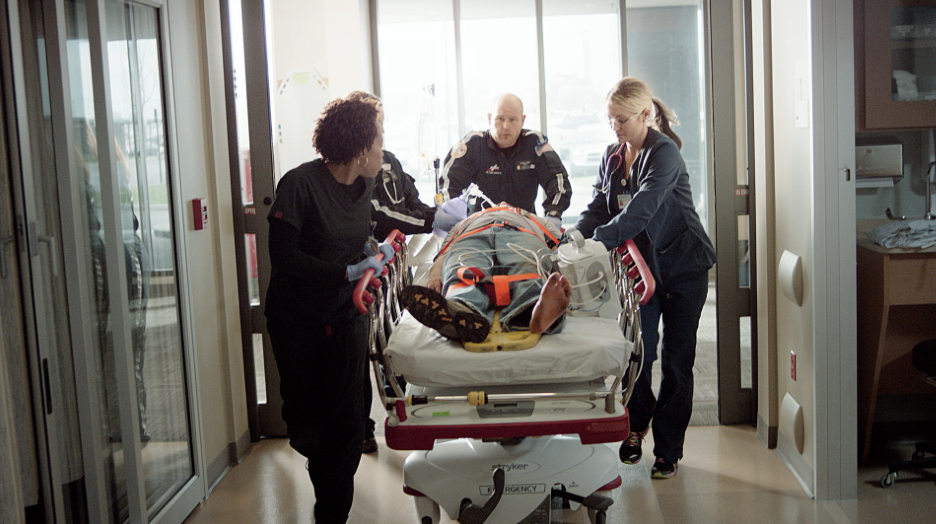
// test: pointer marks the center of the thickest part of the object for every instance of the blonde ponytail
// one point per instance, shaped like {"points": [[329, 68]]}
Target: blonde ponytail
{"points": [[664, 119], [634, 95]]}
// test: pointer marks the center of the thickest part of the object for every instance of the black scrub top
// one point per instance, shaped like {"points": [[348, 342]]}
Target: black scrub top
{"points": [[334, 223]]}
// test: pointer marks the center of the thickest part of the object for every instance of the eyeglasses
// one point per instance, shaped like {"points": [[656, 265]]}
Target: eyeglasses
{"points": [[618, 122]]}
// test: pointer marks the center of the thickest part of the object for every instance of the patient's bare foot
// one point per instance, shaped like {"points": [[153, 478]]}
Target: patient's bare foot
{"points": [[552, 303]]}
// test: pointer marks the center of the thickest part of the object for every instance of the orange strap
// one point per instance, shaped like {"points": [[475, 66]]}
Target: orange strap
{"points": [[497, 287], [520, 212], [502, 286], [471, 276], [505, 224]]}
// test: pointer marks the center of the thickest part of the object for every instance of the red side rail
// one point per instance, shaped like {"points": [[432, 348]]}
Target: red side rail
{"points": [[637, 266], [590, 431], [362, 297]]}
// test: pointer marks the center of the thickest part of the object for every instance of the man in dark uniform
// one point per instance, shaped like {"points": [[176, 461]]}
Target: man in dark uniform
{"points": [[508, 163], [396, 203]]}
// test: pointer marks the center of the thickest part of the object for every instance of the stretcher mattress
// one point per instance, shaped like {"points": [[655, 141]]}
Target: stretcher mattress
{"points": [[587, 348]]}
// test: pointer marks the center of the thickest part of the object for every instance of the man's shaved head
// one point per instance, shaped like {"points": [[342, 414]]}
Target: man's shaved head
{"points": [[506, 119]]}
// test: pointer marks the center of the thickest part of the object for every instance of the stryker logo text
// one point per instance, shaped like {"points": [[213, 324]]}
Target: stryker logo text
{"points": [[513, 466]]}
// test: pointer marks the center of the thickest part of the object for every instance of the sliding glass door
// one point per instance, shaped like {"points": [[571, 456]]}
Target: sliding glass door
{"points": [[106, 360]]}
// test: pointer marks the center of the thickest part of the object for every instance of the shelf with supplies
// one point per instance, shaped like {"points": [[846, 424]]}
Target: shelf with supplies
{"points": [[895, 64]]}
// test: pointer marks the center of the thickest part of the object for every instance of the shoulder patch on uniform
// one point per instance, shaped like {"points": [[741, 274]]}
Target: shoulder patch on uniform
{"points": [[459, 150], [543, 147]]}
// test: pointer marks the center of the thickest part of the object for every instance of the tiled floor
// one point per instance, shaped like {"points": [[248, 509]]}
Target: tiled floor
{"points": [[726, 477]]}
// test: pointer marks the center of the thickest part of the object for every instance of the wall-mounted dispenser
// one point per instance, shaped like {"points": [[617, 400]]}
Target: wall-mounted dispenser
{"points": [[878, 161]]}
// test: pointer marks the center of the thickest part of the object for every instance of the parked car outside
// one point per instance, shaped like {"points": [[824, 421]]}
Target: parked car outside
{"points": [[585, 152], [562, 136]]}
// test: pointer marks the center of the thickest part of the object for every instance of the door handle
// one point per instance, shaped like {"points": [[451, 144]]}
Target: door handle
{"points": [[52, 252], [4, 269]]}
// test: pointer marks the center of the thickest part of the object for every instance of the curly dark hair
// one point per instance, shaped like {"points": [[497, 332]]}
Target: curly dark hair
{"points": [[362, 95], [346, 129]]}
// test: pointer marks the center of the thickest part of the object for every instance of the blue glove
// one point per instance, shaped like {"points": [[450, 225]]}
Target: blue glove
{"points": [[356, 271], [457, 207], [384, 247], [444, 222]]}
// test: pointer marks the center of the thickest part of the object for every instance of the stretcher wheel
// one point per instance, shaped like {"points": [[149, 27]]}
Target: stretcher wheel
{"points": [[599, 515], [888, 480], [428, 510]]}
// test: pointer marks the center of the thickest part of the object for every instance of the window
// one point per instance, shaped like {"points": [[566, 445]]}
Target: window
{"points": [[441, 64], [664, 48], [440, 69]]}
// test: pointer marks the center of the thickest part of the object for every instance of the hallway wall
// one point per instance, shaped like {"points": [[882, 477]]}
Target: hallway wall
{"points": [[199, 105], [795, 212], [814, 131]]}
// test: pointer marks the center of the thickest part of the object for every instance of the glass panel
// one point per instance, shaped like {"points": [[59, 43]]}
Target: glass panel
{"points": [[135, 76], [253, 280], [259, 369], [13, 338], [744, 251], [418, 85], [240, 101], [582, 48], [913, 53], [85, 169], [664, 49], [499, 28], [43, 222], [747, 380]]}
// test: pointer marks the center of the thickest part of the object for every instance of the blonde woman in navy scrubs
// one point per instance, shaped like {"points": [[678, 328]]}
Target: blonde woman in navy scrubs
{"points": [[642, 193]]}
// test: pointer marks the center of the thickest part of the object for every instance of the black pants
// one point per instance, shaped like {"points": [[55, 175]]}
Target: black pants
{"points": [[680, 307], [326, 390]]}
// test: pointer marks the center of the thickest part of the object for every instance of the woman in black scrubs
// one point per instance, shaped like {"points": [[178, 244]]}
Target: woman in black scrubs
{"points": [[320, 223]]}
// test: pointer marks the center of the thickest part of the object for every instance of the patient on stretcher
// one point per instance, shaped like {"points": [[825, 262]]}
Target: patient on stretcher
{"points": [[495, 261]]}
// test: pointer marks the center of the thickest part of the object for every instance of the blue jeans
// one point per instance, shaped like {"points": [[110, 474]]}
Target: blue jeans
{"points": [[680, 306], [495, 252]]}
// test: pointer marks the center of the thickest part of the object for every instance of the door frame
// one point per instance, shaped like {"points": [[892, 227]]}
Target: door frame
{"points": [[240, 227], [726, 127], [835, 309], [729, 127], [269, 418]]}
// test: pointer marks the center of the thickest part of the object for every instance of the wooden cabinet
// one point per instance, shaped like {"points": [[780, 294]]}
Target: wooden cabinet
{"points": [[896, 305], [895, 64]]}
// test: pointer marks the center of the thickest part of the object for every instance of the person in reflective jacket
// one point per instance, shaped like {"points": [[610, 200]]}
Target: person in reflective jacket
{"points": [[508, 163]]}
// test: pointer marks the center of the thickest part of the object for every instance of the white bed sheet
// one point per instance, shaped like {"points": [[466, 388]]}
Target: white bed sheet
{"points": [[586, 349]]}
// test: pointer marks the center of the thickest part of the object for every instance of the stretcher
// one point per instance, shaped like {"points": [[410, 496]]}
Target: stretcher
{"points": [[502, 437]]}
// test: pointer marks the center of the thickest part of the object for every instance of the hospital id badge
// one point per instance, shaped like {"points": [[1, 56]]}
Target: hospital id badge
{"points": [[623, 199]]}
